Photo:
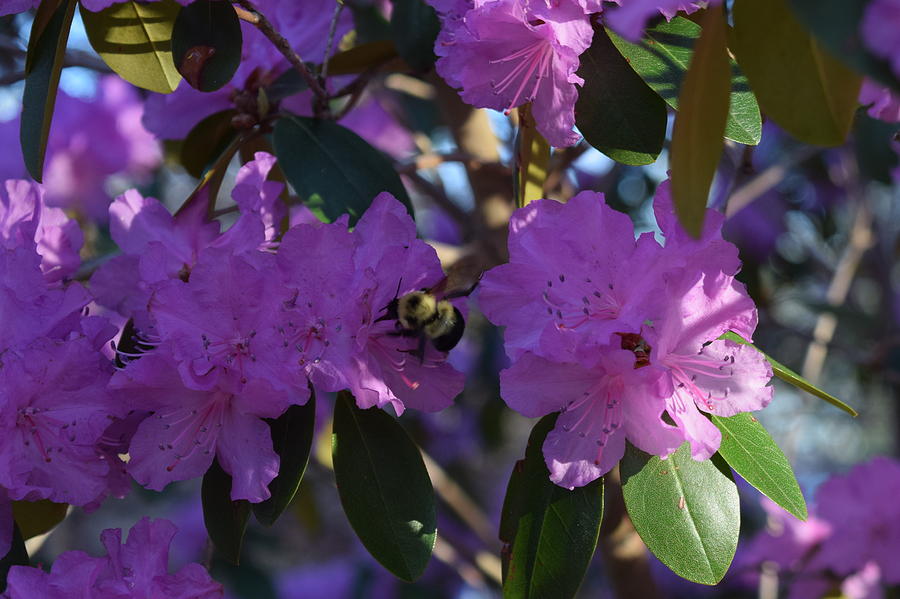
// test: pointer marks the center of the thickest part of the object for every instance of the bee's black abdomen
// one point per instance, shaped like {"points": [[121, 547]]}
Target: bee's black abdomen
{"points": [[448, 340]]}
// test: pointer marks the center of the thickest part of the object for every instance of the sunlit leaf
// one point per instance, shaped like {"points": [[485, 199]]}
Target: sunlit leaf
{"points": [[788, 375], [532, 159], [687, 512], [751, 451], [135, 40], [662, 57]]}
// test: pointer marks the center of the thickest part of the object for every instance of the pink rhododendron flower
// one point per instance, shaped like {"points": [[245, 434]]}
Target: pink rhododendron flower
{"points": [[11, 7], [192, 424], [255, 195], [6, 523], [861, 507], [882, 102], [879, 26], [630, 18], [506, 53], [137, 569], [389, 262], [613, 331], [25, 216]]}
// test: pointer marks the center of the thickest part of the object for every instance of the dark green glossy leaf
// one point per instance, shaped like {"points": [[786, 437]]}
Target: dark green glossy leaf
{"points": [[333, 168], [836, 24], [206, 43], [45, 56], [292, 436], [788, 375], [287, 84], [616, 111], [687, 512], [225, 520], [206, 142], [42, 17], [135, 40], [697, 136], [384, 487], [751, 451], [16, 556], [799, 85], [37, 517], [415, 26], [369, 23], [549, 533], [662, 59]]}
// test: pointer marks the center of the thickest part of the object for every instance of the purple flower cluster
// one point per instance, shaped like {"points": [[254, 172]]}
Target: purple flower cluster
{"points": [[54, 403], [852, 540], [503, 54], [622, 335], [238, 329], [137, 569]]}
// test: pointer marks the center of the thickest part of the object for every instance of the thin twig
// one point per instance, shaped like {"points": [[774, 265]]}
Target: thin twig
{"points": [[74, 58], [766, 180], [329, 46], [282, 45]]}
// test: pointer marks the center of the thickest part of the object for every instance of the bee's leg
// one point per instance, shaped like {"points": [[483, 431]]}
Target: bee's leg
{"points": [[420, 350]]}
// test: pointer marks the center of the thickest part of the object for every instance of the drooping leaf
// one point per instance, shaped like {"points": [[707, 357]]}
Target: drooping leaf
{"points": [[206, 142], [135, 40], [292, 436], [532, 160], [415, 26], [206, 43], [751, 451], [384, 487], [799, 85], [789, 376], [549, 533], [37, 517], [42, 17], [225, 520], [662, 57], [45, 57], [698, 133], [687, 512], [16, 556], [332, 168], [837, 25], [616, 112]]}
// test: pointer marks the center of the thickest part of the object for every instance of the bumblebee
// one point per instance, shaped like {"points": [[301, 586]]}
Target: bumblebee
{"points": [[428, 315]]}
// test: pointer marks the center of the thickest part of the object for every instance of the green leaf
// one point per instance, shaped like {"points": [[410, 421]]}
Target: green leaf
{"points": [[799, 85], [789, 376], [206, 142], [697, 136], [616, 112], [751, 451], [384, 487], [662, 57], [225, 520], [875, 154], [532, 160], [687, 512], [42, 17], [292, 436], [836, 24], [206, 44], [369, 23], [46, 54], [415, 27], [328, 162], [37, 517], [16, 556], [135, 40], [549, 533]]}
